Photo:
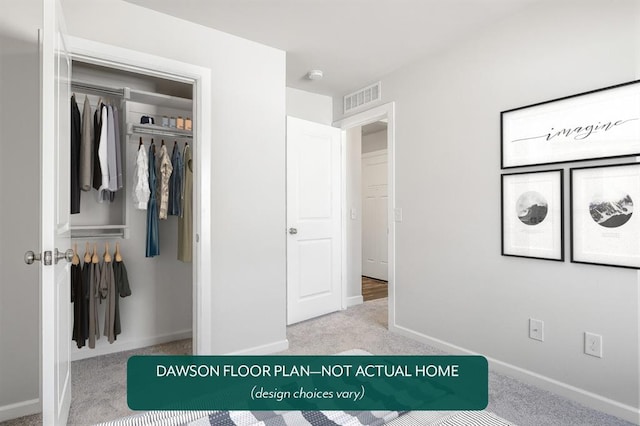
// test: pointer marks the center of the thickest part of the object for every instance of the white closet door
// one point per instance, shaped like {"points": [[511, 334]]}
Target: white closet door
{"points": [[374, 215], [54, 215]]}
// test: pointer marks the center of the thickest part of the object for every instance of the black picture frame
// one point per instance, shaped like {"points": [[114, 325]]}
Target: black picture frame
{"points": [[530, 228], [603, 230], [598, 124]]}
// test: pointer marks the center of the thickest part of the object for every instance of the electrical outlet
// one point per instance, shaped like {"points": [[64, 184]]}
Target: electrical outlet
{"points": [[536, 329], [593, 344]]}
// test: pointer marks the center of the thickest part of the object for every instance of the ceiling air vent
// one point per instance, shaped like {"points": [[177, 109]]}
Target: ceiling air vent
{"points": [[362, 97]]}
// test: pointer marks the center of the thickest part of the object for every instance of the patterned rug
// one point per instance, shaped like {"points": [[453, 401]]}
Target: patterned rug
{"points": [[316, 418]]}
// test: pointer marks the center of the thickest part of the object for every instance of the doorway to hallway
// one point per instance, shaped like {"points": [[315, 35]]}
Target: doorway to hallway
{"points": [[369, 216], [373, 289]]}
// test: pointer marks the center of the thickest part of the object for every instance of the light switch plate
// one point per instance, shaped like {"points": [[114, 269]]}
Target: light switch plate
{"points": [[536, 329], [397, 212]]}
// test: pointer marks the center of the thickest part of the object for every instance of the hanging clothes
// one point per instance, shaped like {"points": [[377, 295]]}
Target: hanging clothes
{"points": [[122, 290], [141, 190], [77, 298], [185, 222], [175, 183], [153, 243], [76, 134], [108, 292], [165, 175], [103, 154], [86, 147], [94, 295], [119, 180], [111, 150], [97, 132], [86, 283]]}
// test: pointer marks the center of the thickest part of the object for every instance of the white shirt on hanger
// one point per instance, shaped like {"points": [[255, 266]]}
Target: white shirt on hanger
{"points": [[141, 191]]}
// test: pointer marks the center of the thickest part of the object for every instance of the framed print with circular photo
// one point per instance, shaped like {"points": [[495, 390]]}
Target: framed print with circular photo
{"points": [[532, 215]]}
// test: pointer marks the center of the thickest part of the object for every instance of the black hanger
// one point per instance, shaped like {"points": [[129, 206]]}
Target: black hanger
{"points": [[162, 142], [141, 144]]}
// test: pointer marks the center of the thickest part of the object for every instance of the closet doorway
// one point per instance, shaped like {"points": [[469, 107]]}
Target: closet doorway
{"points": [[147, 222], [160, 92], [118, 223]]}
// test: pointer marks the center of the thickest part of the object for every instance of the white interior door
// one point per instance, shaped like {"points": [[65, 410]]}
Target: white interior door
{"points": [[55, 75], [313, 220], [374, 215]]}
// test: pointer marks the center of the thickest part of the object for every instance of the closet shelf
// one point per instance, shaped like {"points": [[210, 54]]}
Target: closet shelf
{"points": [[153, 129], [135, 95], [159, 99], [85, 87], [99, 231], [90, 227]]}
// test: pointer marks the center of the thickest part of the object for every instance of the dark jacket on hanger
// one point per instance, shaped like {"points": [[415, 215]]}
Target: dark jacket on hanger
{"points": [[76, 134], [122, 289], [97, 129], [79, 305], [175, 183]]}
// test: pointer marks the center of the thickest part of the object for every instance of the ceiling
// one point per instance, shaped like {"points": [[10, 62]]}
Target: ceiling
{"points": [[374, 127], [355, 42]]}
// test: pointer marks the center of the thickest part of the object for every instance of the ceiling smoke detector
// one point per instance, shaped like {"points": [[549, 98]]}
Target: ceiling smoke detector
{"points": [[314, 75]]}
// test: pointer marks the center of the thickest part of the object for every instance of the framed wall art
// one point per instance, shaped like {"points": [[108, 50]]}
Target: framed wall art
{"points": [[603, 123], [605, 226], [532, 213]]}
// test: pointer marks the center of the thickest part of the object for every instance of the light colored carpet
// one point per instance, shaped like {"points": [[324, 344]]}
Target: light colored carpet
{"points": [[365, 326], [99, 384]]}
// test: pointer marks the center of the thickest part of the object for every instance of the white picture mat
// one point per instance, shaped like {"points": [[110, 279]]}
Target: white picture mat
{"points": [[593, 243], [543, 240], [596, 125]]}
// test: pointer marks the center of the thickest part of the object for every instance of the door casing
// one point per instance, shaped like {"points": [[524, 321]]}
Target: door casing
{"points": [[383, 112]]}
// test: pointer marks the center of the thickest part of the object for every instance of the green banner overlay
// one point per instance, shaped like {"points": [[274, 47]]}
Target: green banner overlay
{"points": [[291, 382]]}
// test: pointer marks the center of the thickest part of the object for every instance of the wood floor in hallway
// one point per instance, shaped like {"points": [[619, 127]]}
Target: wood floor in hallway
{"points": [[373, 289]]}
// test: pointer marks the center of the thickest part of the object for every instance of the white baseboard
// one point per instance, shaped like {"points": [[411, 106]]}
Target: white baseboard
{"points": [[266, 349], [589, 399], [121, 346], [354, 300], [19, 409]]}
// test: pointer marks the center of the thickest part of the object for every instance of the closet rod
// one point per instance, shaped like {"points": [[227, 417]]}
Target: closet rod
{"points": [[150, 130], [83, 86], [97, 236]]}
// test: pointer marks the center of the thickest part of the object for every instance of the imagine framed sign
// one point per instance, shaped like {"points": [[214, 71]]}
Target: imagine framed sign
{"points": [[603, 123]]}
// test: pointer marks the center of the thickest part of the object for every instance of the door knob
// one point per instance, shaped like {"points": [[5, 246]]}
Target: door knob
{"points": [[293, 231], [67, 255], [30, 257]]}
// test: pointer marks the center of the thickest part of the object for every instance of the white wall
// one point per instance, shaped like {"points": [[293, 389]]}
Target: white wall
{"points": [[353, 160], [248, 133], [19, 183], [452, 285], [309, 106], [374, 141]]}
